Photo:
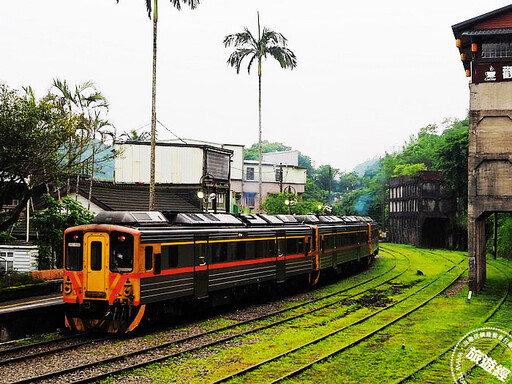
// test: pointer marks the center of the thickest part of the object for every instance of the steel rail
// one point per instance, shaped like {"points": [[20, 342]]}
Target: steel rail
{"points": [[368, 335], [208, 333], [496, 308], [253, 367]]}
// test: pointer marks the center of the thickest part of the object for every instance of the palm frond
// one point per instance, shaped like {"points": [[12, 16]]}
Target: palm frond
{"points": [[191, 3], [62, 87], [284, 56], [241, 39], [236, 58], [269, 37], [176, 3], [250, 63]]}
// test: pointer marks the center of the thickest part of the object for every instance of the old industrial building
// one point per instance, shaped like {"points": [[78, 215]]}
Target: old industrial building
{"points": [[485, 47], [421, 211]]}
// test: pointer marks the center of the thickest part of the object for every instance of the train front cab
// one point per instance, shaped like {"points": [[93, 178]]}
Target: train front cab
{"points": [[100, 284]]}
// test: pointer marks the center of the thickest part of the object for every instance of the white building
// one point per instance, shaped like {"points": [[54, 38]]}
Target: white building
{"points": [[186, 166], [21, 258], [293, 180]]}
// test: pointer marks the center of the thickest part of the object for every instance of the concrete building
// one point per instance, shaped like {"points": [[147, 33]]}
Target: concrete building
{"points": [[275, 178], [182, 168], [421, 211], [485, 47]]}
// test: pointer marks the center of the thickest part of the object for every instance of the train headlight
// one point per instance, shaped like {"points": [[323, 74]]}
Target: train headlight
{"points": [[67, 288], [127, 291]]}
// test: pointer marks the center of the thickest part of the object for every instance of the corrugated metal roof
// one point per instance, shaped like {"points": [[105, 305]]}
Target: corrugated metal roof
{"points": [[129, 197]]}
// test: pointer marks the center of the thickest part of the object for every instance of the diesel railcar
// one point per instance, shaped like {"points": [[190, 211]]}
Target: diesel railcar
{"points": [[127, 267]]}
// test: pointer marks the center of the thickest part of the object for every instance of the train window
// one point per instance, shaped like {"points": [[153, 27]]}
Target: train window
{"points": [[170, 256], [339, 240], [291, 246], [281, 246], [240, 250], [308, 245], [219, 252], [74, 252], [121, 252], [329, 243], [271, 244], [301, 249], [148, 258], [250, 250], [186, 255], [96, 255], [262, 248]]}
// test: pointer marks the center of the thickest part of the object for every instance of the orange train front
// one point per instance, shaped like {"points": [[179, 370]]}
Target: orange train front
{"points": [[130, 267]]}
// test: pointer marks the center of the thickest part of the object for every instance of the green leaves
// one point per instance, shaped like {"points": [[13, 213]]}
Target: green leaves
{"points": [[51, 223], [268, 42]]}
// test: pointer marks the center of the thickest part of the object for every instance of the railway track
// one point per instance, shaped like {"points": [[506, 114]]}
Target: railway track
{"points": [[489, 317], [43, 348], [302, 348], [175, 348]]}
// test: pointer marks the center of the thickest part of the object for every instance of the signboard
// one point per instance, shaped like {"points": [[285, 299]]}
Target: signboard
{"points": [[492, 72]]}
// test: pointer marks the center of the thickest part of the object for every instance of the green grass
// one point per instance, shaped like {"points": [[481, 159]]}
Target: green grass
{"points": [[385, 357]]}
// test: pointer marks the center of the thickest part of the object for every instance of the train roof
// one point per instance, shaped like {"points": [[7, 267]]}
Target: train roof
{"points": [[155, 218]]}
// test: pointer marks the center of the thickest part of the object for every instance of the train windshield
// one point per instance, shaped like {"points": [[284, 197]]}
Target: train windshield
{"points": [[74, 251], [121, 252]]}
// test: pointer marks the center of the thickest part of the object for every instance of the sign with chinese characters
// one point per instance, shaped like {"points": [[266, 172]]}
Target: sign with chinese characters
{"points": [[483, 355], [492, 72]]}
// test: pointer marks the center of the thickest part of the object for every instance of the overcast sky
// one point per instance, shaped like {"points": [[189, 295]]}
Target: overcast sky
{"points": [[369, 74]]}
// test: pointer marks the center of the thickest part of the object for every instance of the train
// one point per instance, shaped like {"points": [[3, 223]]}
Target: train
{"points": [[128, 268]]}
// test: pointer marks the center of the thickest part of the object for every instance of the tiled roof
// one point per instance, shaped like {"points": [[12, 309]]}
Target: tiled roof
{"points": [[133, 197], [488, 32]]}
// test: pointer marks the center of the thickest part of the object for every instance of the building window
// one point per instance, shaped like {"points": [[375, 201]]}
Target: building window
{"points": [[279, 175], [249, 174], [250, 199], [6, 261], [496, 50], [221, 201]]}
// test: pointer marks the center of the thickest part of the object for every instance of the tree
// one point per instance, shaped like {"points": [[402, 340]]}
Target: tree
{"points": [[39, 146], [90, 107], [266, 43], [251, 153], [276, 204], [50, 225], [133, 135], [177, 4]]}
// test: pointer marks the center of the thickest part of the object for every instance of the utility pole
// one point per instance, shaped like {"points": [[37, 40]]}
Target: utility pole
{"points": [[330, 186], [280, 177]]}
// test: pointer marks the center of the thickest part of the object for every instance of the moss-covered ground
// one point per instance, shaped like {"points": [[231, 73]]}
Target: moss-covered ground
{"points": [[384, 357]]}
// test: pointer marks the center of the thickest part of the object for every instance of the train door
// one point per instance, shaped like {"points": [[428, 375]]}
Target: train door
{"points": [[281, 257], [96, 246], [201, 266]]}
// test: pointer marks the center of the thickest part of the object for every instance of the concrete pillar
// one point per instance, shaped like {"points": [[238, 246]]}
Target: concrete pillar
{"points": [[476, 254]]}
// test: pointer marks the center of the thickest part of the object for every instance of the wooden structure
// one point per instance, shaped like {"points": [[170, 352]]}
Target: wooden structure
{"points": [[485, 47], [421, 210]]}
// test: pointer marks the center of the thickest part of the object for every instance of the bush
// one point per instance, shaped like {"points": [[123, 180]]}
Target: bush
{"points": [[44, 257], [14, 279]]}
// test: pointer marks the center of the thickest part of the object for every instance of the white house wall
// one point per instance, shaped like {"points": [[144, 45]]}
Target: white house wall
{"points": [[237, 161], [22, 257], [174, 165]]}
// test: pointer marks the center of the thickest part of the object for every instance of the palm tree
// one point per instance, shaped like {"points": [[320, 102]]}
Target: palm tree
{"points": [[86, 106], [133, 135], [177, 4], [257, 48]]}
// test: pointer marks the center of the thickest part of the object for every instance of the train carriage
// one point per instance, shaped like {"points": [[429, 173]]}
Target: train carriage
{"points": [[130, 266]]}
